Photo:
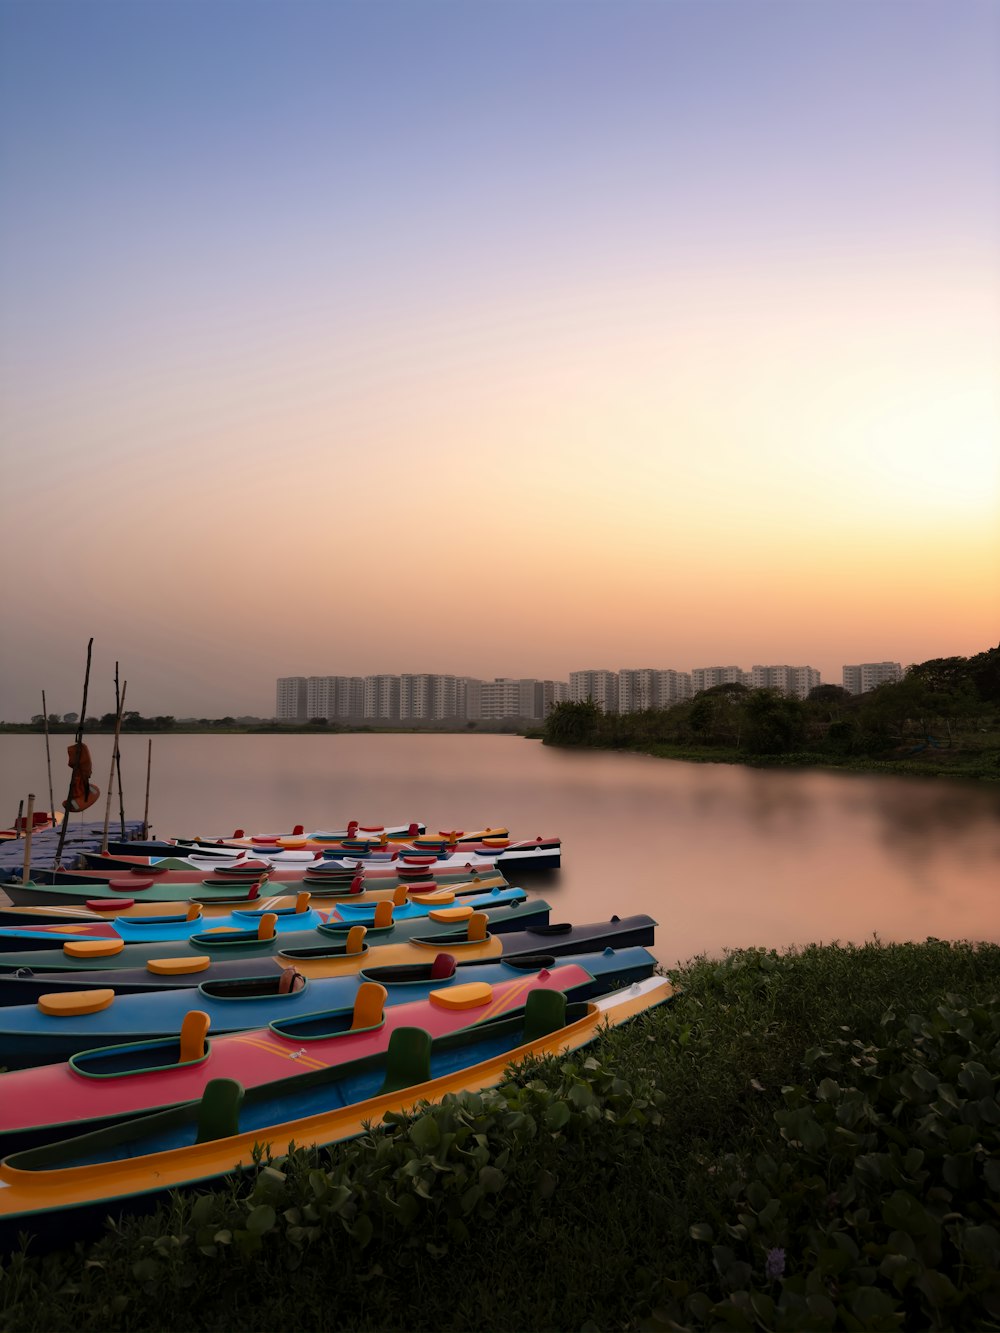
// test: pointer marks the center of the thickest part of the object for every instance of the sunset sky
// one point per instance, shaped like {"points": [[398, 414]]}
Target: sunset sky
{"points": [[493, 338]]}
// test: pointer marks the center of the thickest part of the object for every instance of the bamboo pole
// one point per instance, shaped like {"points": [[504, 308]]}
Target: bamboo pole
{"points": [[17, 821], [111, 775], [79, 740], [118, 766], [48, 762], [26, 876], [149, 769]]}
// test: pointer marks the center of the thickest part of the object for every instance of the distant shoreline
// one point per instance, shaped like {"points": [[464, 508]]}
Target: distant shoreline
{"points": [[970, 765]]}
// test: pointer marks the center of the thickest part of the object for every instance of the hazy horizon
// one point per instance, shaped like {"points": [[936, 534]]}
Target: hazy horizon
{"points": [[493, 340]]}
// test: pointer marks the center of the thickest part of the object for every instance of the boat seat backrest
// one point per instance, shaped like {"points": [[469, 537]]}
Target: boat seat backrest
{"points": [[219, 1110], [408, 1059], [544, 1013], [442, 967]]}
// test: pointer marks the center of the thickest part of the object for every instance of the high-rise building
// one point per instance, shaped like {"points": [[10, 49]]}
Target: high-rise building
{"points": [[601, 686], [796, 681], [291, 700], [640, 688], [866, 676], [415, 698], [706, 678], [382, 698], [468, 698]]}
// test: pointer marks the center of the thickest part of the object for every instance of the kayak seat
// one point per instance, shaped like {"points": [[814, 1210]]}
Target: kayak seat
{"points": [[442, 967], [291, 980], [544, 1013], [408, 1059], [530, 962], [219, 1110]]}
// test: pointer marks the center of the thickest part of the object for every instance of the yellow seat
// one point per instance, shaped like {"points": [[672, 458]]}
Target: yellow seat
{"points": [[92, 948], [221, 930], [451, 914], [469, 996], [383, 914], [174, 967], [63, 1004], [194, 1030], [369, 1006]]}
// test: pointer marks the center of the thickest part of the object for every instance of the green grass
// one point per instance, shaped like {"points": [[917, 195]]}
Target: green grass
{"points": [[779, 1103]]}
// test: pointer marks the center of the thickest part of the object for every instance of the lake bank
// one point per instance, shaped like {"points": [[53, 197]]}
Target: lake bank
{"points": [[771, 1149]]}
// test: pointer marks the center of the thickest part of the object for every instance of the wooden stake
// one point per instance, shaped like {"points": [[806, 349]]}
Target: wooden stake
{"points": [[48, 762], [64, 826], [121, 794], [17, 821], [149, 769], [26, 876], [111, 775]]}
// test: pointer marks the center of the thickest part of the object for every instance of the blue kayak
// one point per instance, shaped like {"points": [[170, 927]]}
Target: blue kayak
{"points": [[30, 1037]]}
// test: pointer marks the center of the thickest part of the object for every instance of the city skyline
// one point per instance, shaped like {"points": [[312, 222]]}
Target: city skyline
{"points": [[480, 334]]}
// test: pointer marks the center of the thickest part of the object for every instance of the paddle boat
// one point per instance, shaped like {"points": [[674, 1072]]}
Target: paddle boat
{"points": [[64, 1021], [62, 1189], [474, 944]]}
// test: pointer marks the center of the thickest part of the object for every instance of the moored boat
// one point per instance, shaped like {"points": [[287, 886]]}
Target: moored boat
{"points": [[60, 1188], [33, 1035]]}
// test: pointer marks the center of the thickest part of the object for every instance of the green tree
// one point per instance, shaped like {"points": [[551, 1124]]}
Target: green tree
{"points": [[775, 723], [573, 723]]}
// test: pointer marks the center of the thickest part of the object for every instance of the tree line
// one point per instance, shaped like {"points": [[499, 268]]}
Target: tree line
{"points": [[940, 704]]}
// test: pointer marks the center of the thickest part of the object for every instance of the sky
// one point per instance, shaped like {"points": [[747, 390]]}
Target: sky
{"points": [[501, 338]]}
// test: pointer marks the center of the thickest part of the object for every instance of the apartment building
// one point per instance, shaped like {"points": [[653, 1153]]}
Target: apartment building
{"points": [[382, 698], [291, 699], [507, 697], [648, 687], [468, 697], [601, 686], [794, 680], [553, 692], [865, 676]]}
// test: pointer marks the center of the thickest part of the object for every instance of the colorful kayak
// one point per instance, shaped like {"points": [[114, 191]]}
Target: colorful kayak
{"points": [[98, 1087], [261, 941], [76, 888], [28, 983], [299, 915], [60, 1188], [31, 1035]]}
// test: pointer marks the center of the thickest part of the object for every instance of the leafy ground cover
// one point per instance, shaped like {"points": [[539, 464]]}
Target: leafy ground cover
{"points": [[799, 1141]]}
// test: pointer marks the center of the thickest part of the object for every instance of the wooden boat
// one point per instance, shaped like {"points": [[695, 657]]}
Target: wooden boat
{"points": [[31, 1035], [262, 942], [60, 1189], [28, 983], [98, 1087]]}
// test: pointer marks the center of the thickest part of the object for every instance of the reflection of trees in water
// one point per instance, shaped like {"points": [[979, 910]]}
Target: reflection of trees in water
{"points": [[912, 819], [918, 820]]}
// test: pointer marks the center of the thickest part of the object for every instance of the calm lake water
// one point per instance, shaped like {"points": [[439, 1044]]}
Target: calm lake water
{"points": [[723, 857]]}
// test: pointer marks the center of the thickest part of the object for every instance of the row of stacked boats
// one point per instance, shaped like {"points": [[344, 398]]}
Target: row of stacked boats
{"points": [[169, 1006]]}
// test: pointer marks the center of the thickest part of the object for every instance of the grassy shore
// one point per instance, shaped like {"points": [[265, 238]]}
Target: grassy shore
{"points": [[977, 764], [798, 1141]]}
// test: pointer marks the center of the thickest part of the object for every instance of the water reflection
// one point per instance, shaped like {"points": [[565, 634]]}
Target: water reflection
{"points": [[723, 856]]}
